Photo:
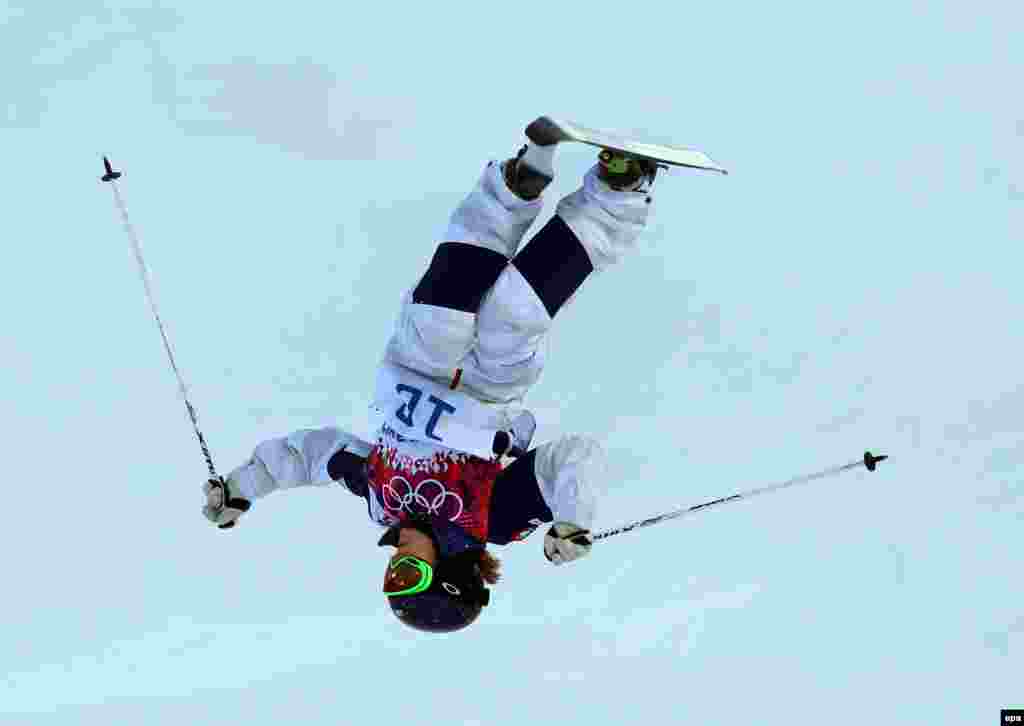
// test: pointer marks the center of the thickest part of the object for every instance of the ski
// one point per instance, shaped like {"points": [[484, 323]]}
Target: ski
{"points": [[548, 130]]}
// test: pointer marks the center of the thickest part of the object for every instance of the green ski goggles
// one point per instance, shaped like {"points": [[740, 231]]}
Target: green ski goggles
{"points": [[408, 575]]}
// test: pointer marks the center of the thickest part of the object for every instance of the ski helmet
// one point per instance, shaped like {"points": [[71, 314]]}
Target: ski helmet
{"points": [[456, 594]]}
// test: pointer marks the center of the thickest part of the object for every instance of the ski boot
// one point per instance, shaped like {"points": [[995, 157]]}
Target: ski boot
{"points": [[625, 173], [532, 169]]}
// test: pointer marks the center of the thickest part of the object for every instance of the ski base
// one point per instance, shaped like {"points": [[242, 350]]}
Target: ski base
{"points": [[547, 130]]}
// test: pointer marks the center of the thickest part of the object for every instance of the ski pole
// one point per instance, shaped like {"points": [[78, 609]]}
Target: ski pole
{"points": [[111, 176], [869, 460]]}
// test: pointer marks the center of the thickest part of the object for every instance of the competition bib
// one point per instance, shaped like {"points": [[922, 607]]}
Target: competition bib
{"points": [[417, 408]]}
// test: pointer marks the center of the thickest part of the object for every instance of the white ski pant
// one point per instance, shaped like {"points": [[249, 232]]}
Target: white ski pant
{"points": [[485, 308], [480, 315]]}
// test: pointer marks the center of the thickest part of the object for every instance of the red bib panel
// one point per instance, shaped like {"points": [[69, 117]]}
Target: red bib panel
{"points": [[451, 484]]}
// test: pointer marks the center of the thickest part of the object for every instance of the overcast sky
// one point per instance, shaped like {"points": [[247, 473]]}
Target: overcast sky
{"points": [[854, 283]]}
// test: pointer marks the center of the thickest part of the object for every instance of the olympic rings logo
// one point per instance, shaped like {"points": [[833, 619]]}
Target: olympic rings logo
{"points": [[429, 497]]}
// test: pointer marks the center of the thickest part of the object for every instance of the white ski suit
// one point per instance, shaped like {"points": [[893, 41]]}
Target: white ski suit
{"points": [[468, 344]]}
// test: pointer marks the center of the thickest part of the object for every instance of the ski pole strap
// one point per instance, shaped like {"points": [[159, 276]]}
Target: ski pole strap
{"points": [[869, 461]]}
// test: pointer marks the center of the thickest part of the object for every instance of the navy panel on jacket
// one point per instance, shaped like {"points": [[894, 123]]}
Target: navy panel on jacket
{"points": [[517, 506]]}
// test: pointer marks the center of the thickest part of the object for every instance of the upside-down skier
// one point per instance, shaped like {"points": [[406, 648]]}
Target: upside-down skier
{"points": [[468, 344]]}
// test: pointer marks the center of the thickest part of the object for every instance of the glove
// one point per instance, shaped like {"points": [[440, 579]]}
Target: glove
{"points": [[565, 542], [223, 504]]}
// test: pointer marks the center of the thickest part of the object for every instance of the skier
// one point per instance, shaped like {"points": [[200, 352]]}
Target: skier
{"points": [[451, 469]]}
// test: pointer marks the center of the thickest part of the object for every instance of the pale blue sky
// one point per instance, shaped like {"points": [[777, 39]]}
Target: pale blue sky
{"points": [[855, 283]]}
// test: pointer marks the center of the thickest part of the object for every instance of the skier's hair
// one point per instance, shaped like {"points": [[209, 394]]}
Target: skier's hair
{"points": [[490, 567]]}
